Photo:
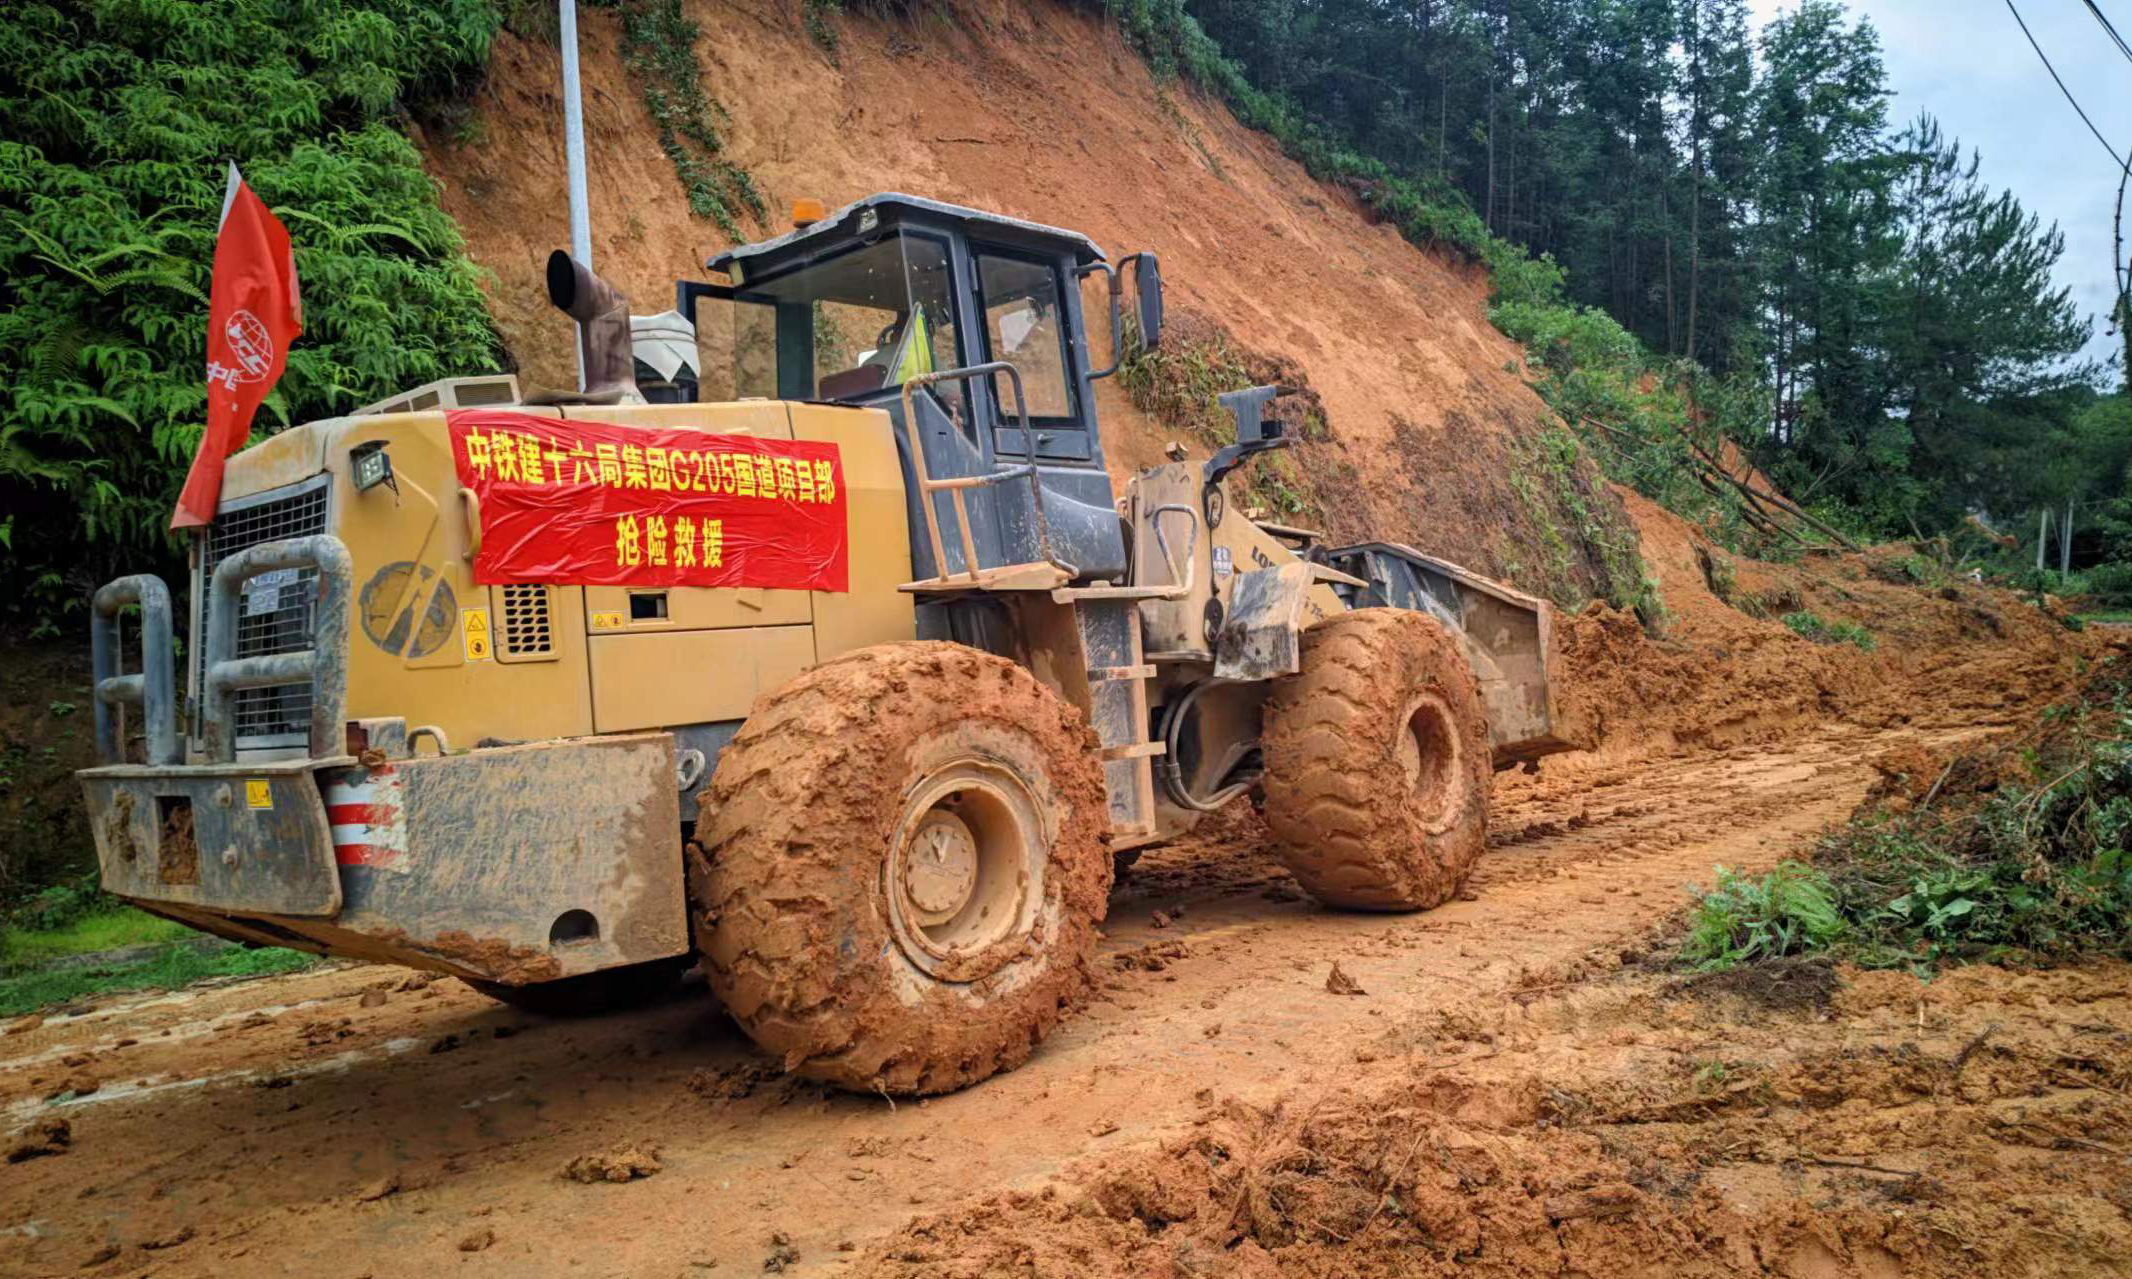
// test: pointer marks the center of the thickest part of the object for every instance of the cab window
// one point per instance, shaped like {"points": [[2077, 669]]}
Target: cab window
{"points": [[1025, 327], [847, 327]]}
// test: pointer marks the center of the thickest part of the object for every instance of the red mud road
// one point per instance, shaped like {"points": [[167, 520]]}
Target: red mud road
{"points": [[349, 1121]]}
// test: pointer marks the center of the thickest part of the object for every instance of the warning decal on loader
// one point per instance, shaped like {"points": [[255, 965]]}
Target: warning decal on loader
{"points": [[575, 503], [474, 628]]}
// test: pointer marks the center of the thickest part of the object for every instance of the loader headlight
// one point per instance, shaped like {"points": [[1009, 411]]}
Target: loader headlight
{"points": [[371, 466]]}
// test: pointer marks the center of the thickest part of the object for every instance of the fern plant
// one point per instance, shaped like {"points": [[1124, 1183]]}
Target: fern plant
{"points": [[118, 117]]}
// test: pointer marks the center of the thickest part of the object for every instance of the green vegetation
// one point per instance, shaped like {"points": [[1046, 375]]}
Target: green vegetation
{"points": [[117, 117], [1909, 570], [2016, 854], [1704, 235], [1788, 911], [1177, 383], [1820, 630], [176, 964], [106, 929], [818, 17], [1577, 527], [659, 47], [42, 943]]}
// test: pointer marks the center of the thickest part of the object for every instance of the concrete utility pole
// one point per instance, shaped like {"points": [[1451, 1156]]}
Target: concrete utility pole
{"points": [[574, 152]]}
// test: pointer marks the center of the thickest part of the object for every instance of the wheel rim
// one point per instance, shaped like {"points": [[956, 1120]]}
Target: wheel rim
{"points": [[1430, 760], [967, 870]]}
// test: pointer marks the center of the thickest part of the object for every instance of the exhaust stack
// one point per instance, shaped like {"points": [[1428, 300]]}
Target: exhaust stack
{"points": [[603, 336]]}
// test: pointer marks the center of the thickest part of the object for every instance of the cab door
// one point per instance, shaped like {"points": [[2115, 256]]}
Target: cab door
{"points": [[1026, 316]]}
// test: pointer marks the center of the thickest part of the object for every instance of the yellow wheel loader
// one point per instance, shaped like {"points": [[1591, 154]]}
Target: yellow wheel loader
{"points": [[841, 669]]}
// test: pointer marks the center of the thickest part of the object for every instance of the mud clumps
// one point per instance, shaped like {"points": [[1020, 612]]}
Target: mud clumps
{"points": [[1800, 982], [501, 962], [782, 1253], [177, 848], [1337, 982], [1724, 670], [730, 1084], [1153, 957], [625, 1163], [1706, 1137], [45, 1138]]}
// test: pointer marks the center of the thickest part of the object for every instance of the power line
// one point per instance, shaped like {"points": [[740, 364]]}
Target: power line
{"points": [[2115, 38], [2119, 316], [2118, 160]]}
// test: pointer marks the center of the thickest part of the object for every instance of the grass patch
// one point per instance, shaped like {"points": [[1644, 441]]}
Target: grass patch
{"points": [[176, 964], [1579, 535], [75, 919], [1813, 626], [2023, 860], [109, 929], [1177, 383]]}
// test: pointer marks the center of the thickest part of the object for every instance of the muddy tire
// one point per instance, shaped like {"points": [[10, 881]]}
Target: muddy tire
{"points": [[590, 994], [1377, 765], [899, 868]]}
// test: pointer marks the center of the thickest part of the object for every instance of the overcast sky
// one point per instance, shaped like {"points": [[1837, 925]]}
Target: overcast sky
{"points": [[1966, 62]]}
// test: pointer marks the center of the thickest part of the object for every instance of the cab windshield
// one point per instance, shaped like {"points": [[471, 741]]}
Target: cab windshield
{"points": [[844, 327]]}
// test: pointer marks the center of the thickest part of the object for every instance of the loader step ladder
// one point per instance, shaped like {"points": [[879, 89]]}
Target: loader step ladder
{"points": [[1117, 708]]}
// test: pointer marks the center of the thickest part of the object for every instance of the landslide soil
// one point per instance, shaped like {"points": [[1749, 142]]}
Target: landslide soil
{"points": [[1505, 1083]]}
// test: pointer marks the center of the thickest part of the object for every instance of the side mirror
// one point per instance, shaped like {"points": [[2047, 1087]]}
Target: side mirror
{"points": [[1147, 281], [1147, 286]]}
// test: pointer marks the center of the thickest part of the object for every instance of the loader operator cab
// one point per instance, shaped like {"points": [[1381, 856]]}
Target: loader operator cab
{"points": [[896, 294]]}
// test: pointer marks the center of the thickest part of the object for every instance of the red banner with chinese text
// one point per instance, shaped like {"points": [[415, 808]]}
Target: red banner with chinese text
{"points": [[576, 503]]}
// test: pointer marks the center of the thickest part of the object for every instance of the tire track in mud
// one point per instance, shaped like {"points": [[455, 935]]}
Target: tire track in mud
{"points": [[274, 1159]]}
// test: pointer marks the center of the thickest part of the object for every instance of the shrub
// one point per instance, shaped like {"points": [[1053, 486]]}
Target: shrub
{"points": [[2111, 583], [1810, 625], [1788, 911], [1908, 570], [2021, 857]]}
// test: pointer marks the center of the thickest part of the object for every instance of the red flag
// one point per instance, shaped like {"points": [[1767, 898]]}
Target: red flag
{"points": [[253, 314]]}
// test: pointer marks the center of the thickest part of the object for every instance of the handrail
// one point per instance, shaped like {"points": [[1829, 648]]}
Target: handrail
{"points": [[955, 486], [1180, 585], [324, 665], [153, 689], [470, 504], [1117, 339]]}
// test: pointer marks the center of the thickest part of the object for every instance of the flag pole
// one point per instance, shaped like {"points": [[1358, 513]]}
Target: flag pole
{"points": [[574, 154]]}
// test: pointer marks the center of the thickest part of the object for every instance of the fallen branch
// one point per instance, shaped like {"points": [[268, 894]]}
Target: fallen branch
{"points": [[1855, 1166], [1756, 498], [1969, 1049]]}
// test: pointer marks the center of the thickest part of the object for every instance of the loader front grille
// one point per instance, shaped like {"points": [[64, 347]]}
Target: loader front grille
{"points": [[274, 612]]}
